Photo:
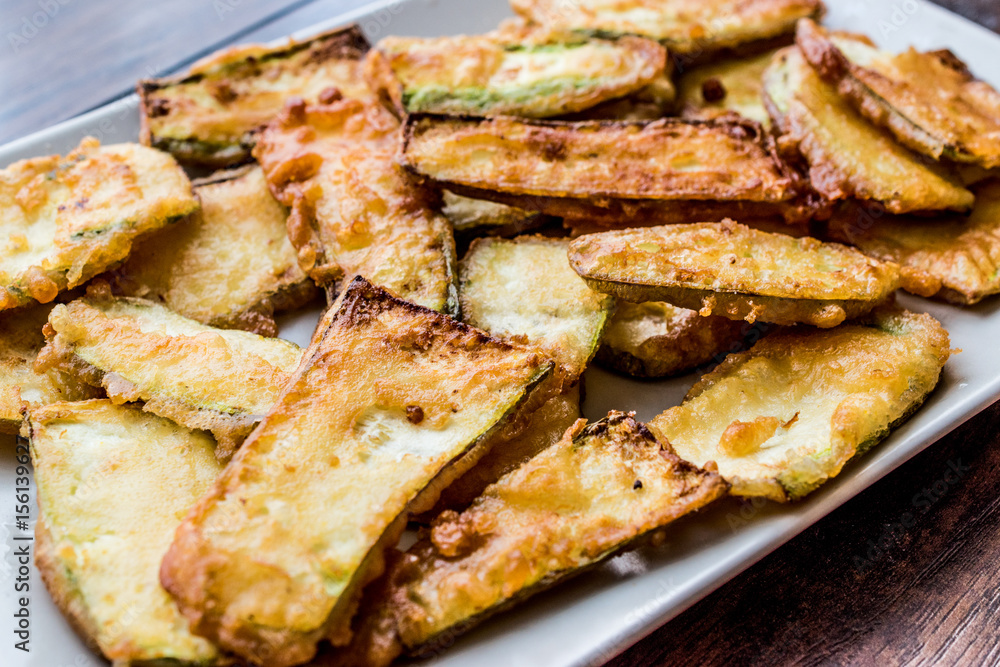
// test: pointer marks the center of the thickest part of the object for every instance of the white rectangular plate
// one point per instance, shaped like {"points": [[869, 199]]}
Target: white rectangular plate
{"points": [[592, 618]]}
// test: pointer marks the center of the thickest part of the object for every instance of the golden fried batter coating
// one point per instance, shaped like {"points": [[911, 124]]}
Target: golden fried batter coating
{"points": [[656, 339], [929, 101], [603, 488], [529, 75], [208, 115], [391, 403], [21, 339], [229, 265], [608, 172], [955, 258], [734, 271], [691, 29], [113, 484], [783, 417], [354, 211], [216, 379], [480, 217], [63, 220], [848, 156]]}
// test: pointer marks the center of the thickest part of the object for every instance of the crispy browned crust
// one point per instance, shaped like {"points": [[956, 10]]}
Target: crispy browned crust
{"points": [[87, 209], [847, 156], [348, 42], [731, 30], [575, 155], [353, 210], [291, 289], [684, 341], [466, 549], [59, 355], [391, 67], [191, 566], [953, 258], [712, 268], [542, 428], [868, 90]]}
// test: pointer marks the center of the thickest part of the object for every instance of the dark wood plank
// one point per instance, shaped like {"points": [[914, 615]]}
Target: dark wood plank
{"points": [[905, 573], [983, 12], [62, 57]]}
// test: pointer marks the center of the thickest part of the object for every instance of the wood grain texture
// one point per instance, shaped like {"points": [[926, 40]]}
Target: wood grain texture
{"points": [[59, 58]]}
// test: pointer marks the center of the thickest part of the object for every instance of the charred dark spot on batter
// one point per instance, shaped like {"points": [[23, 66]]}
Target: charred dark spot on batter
{"points": [[414, 414]]}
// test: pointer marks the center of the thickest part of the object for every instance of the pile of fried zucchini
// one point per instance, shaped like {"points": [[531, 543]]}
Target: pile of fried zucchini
{"points": [[656, 187]]}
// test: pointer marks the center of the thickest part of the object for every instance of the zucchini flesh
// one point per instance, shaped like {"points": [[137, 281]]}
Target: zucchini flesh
{"points": [[392, 401], [208, 115], [113, 484], [216, 379], [841, 390]]}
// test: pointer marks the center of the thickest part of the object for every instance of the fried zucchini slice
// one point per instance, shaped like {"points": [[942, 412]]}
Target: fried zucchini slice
{"points": [[518, 75], [208, 115], [113, 484], [849, 157], [21, 339], [692, 29], [733, 85], [544, 428], [605, 172], [220, 380], [354, 211], [956, 258], [930, 102], [524, 287], [63, 220], [480, 217], [391, 403], [785, 416], [229, 265], [734, 271], [602, 489], [656, 339]]}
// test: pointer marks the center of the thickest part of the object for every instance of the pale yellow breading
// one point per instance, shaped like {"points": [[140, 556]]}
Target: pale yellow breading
{"points": [[656, 339], [955, 258], [602, 489], [216, 379], [734, 271], [524, 287], [354, 210], [229, 265], [113, 485], [391, 403], [785, 416], [691, 29], [65, 219], [208, 115], [930, 101], [848, 156], [733, 85], [21, 339], [519, 75]]}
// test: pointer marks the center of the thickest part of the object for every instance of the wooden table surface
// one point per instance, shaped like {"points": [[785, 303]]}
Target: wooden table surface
{"points": [[905, 573]]}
